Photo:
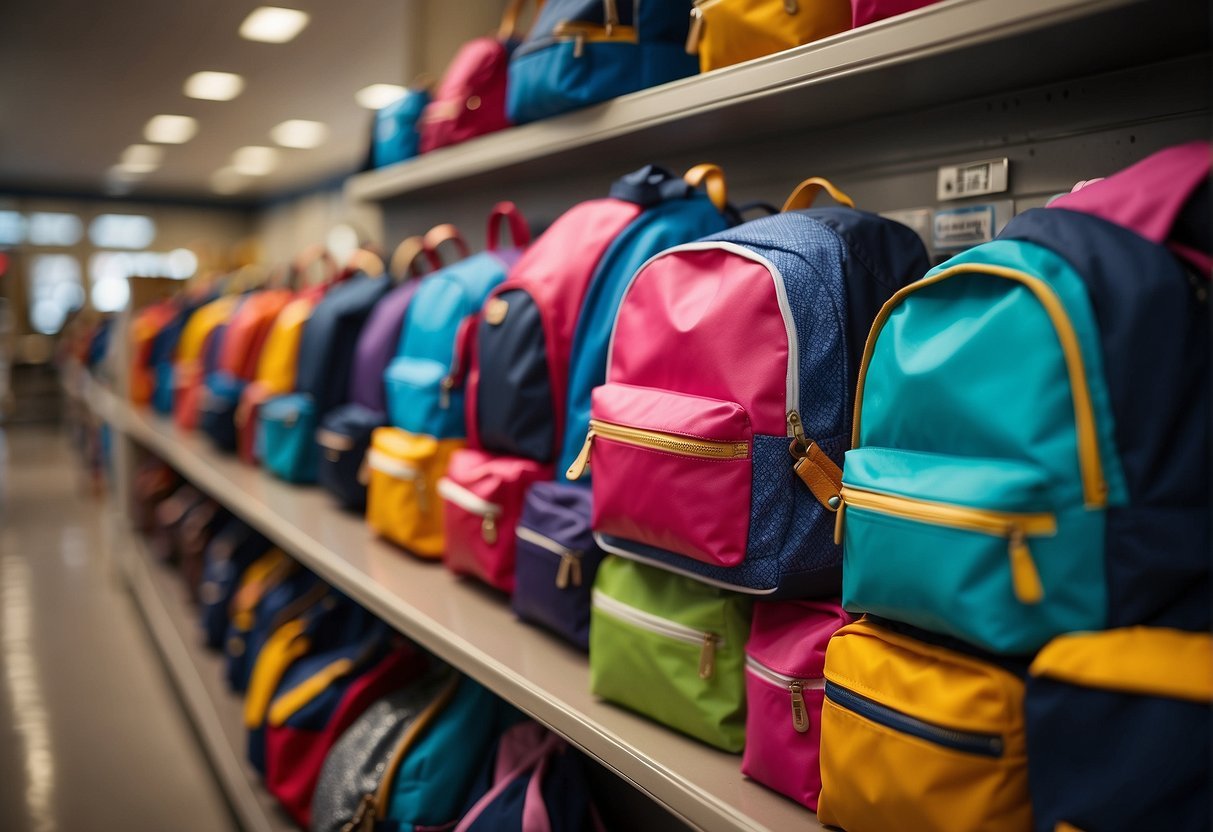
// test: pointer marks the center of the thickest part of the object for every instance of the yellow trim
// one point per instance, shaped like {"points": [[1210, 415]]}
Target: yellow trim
{"points": [[806, 192], [285, 706], [1149, 661], [582, 33], [408, 740], [280, 652], [1095, 490], [1014, 526], [713, 181], [655, 440]]}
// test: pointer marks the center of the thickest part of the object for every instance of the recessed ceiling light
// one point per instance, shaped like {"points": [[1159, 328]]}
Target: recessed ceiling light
{"points": [[141, 158], [170, 129], [214, 86], [378, 96], [300, 133], [227, 181], [271, 24], [255, 161]]}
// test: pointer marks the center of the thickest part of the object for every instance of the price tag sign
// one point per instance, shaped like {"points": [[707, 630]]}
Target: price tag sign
{"points": [[959, 228]]}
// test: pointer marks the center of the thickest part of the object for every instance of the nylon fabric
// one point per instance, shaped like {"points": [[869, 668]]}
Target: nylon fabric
{"points": [[741, 30]]}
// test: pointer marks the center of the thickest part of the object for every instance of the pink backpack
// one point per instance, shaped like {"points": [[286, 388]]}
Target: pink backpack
{"points": [[869, 11]]}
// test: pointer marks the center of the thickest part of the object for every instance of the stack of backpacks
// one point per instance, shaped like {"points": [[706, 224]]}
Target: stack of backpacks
{"points": [[890, 530]]}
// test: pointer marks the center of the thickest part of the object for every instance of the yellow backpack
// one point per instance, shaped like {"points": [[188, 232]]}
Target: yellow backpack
{"points": [[276, 367], [726, 32]]}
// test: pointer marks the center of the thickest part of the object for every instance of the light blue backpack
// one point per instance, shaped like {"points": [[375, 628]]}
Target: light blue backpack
{"points": [[421, 390]]}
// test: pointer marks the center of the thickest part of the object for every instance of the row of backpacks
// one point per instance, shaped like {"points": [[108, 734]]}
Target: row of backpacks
{"points": [[349, 725], [1024, 494], [583, 52]]}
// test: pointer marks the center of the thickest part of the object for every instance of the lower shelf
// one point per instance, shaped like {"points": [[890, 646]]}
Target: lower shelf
{"points": [[216, 713]]}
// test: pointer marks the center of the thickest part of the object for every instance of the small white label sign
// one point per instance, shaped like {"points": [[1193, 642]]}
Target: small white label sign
{"points": [[957, 228], [972, 179]]}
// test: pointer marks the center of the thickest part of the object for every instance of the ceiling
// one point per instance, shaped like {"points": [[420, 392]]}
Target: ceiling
{"points": [[78, 81]]}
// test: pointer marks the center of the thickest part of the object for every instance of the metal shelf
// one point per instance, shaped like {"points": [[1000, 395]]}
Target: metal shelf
{"points": [[216, 713], [952, 51], [472, 628]]}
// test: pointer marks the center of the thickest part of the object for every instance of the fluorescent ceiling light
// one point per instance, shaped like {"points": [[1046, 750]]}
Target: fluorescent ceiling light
{"points": [[214, 86], [170, 129], [378, 96], [139, 159], [300, 133], [227, 181], [270, 24], [255, 161]]}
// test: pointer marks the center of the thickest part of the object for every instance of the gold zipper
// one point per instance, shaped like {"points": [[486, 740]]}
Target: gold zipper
{"points": [[707, 656], [1016, 527], [569, 571], [407, 741], [800, 714], [582, 33], [657, 441], [1094, 487]]}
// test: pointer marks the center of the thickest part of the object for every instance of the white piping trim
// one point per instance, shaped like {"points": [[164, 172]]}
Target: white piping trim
{"points": [[648, 621], [379, 461], [544, 542], [455, 493], [616, 550]]}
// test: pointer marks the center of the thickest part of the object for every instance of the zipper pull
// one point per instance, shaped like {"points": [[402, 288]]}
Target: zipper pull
{"points": [[800, 714], [364, 470], [1024, 577], [796, 428], [579, 45], [569, 572], [791, 6], [695, 32], [610, 15], [488, 529], [444, 392], [582, 462], [842, 507], [707, 656]]}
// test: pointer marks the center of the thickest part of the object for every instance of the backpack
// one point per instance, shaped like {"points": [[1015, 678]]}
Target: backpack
{"points": [[235, 546], [581, 52], [1044, 472], [345, 432], [146, 326], [532, 782], [687, 409], [287, 424], [242, 342], [164, 350], [422, 394], [189, 372]]}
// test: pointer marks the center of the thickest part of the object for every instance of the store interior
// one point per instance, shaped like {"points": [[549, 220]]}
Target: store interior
{"points": [[420, 415]]}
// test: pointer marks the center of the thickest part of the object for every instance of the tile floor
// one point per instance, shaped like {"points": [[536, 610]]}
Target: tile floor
{"points": [[92, 736]]}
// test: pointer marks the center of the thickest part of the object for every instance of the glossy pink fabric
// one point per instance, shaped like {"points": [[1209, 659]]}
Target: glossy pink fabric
{"points": [[556, 272], [477, 70], [869, 11], [722, 312], [499, 479], [696, 507], [790, 638], [1148, 196]]}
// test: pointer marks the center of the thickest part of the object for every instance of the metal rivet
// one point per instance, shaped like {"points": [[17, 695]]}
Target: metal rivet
{"points": [[834, 501], [473, 102]]}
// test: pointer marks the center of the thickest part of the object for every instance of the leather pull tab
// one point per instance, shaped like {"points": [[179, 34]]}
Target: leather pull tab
{"points": [[807, 191], [713, 181], [822, 476]]}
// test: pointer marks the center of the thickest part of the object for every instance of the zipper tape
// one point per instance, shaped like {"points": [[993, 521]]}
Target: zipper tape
{"points": [[467, 500]]}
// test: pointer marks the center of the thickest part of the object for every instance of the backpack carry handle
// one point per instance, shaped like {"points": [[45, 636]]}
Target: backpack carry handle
{"points": [[806, 192], [308, 258], [406, 259], [365, 260], [711, 177], [446, 233], [508, 30], [520, 231]]}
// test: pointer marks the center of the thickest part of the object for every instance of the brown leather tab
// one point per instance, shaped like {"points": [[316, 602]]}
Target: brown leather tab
{"points": [[822, 476]]}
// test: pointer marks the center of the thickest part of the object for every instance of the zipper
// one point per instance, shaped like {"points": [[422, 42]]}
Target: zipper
{"points": [[377, 460], [1016, 527], [569, 571], [655, 440], [794, 686], [582, 33], [377, 804], [472, 503], [709, 642], [971, 742], [1094, 486], [792, 377], [333, 443]]}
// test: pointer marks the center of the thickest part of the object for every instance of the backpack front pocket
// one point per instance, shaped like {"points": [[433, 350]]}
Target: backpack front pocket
{"points": [[483, 496], [672, 649], [420, 398], [972, 547], [286, 437], [916, 736], [669, 471], [344, 437], [403, 470]]}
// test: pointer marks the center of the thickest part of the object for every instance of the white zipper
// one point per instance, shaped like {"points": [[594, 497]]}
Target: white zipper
{"points": [[792, 381], [569, 571], [793, 685], [488, 512], [614, 549], [384, 464], [709, 642]]}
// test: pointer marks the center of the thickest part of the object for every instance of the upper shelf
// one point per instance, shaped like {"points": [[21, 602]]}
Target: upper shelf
{"points": [[951, 51], [473, 629]]}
